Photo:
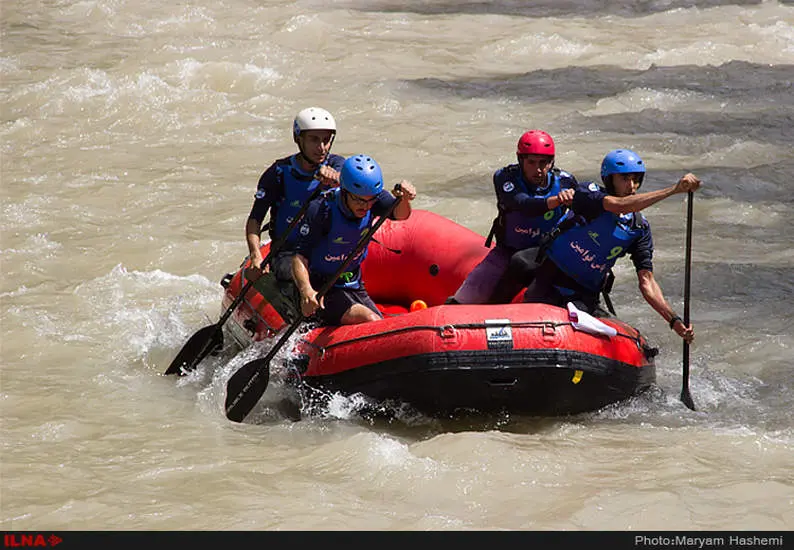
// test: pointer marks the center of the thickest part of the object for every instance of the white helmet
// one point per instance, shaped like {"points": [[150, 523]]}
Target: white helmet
{"points": [[312, 118]]}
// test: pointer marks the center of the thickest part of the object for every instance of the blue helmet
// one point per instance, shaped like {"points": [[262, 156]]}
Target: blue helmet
{"points": [[361, 175], [621, 161]]}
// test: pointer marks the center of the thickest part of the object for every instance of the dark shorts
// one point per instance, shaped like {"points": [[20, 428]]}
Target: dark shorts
{"points": [[338, 300], [552, 286], [281, 265]]}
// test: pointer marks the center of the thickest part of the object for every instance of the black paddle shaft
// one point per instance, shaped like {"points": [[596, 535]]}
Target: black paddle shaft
{"points": [[247, 385], [686, 398], [210, 338]]}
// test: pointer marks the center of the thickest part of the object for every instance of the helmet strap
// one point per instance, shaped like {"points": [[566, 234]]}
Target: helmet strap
{"points": [[302, 156], [608, 185], [346, 210]]}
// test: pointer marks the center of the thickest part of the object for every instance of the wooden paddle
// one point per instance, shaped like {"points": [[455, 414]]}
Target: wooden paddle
{"points": [[210, 338], [686, 398], [248, 384]]}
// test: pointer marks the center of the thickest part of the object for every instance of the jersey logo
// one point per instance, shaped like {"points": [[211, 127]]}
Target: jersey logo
{"points": [[260, 194], [340, 240], [304, 230], [508, 186], [593, 187], [593, 235]]}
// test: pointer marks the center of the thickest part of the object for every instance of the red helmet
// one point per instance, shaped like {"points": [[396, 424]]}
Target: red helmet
{"points": [[535, 142]]}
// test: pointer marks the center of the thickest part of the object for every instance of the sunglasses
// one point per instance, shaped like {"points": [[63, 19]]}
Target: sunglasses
{"points": [[362, 200]]}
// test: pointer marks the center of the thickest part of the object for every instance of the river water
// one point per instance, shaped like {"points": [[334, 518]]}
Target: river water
{"points": [[133, 136]]}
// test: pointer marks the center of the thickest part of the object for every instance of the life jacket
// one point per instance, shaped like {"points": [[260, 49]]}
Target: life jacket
{"points": [[587, 252], [343, 235], [514, 229], [298, 186]]}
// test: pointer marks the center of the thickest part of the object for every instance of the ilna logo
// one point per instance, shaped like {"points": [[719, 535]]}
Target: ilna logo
{"points": [[18, 540]]}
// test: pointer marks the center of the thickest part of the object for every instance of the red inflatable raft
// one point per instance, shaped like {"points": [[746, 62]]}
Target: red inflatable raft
{"points": [[521, 358]]}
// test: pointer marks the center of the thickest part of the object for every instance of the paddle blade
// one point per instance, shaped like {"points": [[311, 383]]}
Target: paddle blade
{"points": [[246, 387], [201, 344], [686, 399]]}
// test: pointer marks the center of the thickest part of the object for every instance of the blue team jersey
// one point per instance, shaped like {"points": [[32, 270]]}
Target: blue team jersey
{"points": [[330, 232], [283, 189], [597, 238], [523, 213]]}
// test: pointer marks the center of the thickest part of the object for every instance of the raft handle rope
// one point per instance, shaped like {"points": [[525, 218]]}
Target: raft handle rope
{"points": [[394, 250], [448, 330]]}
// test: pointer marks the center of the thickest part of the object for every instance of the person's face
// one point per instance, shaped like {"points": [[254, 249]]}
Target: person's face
{"points": [[536, 167], [316, 144], [626, 184], [359, 205]]}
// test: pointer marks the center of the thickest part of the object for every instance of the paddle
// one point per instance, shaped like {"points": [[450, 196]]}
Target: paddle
{"points": [[686, 398], [248, 384], [210, 338]]}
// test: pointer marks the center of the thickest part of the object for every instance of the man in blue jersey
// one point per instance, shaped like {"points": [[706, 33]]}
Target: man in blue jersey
{"points": [[605, 224], [287, 184], [330, 232], [531, 196]]}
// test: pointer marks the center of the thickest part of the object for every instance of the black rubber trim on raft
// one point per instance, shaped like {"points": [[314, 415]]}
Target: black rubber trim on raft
{"points": [[535, 382]]}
